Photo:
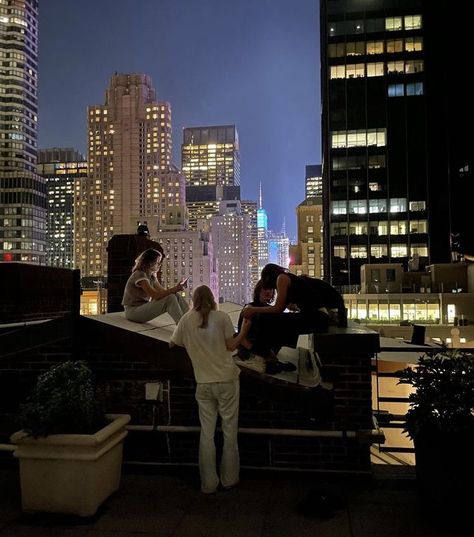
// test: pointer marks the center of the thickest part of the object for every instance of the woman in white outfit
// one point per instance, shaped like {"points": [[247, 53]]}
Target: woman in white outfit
{"points": [[207, 336], [144, 298]]}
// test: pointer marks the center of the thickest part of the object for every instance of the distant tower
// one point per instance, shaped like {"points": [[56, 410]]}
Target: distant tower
{"points": [[306, 256], [210, 161], [22, 191], [278, 247], [131, 177], [262, 233], [63, 169]]}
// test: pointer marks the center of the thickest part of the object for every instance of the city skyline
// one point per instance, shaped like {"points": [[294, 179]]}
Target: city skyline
{"points": [[210, 63]]}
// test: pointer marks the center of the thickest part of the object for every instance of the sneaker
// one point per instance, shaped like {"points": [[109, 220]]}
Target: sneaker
{"points": [[286, 366], [243, 353], [272, 368]]}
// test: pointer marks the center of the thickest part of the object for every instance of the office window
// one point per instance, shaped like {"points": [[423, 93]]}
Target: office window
{"points": [[377, 137], [374, 187], [339, 228], [415, 88], [413, 44], [378, 206], [376, 161], [396, 90], [398, 227], [358, 251], [375, 47], [339, 207], [414, 66], [417, 206], [413, 22], [375, 69], [394, 45], [378, 250], [337, 50], [355, 70], [420, 249], [396, 68], [338, 71], [358, 229], [399, 250], [355, 48], [340, 251], [418, 226], [393, 24], [398, 205], [354, 26], [358, 206]]}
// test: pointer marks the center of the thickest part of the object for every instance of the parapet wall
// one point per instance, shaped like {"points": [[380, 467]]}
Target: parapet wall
{"points": [[328, 430]]}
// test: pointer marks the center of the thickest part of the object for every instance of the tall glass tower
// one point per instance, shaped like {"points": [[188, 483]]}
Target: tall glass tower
{"points": [[22, 191], [262, 233], [397, 168]]}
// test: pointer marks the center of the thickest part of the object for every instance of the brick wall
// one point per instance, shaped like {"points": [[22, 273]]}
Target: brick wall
{"points": [[124, 362]]}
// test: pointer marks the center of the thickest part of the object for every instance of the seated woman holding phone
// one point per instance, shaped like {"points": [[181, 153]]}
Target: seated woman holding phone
{"points": [[145, 298]]}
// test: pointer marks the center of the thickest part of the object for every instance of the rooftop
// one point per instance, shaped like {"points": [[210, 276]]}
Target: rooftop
{"points": [[167, 502]]}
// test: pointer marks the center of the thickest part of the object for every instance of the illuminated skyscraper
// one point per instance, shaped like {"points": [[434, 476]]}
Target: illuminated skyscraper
{"points": [[262, 233], [210, 161], [131, 178], [250, 208], [22, 191], [61, 168], [314, 181], [397, 157], [278, 247], [306, 257], [230, 236]]}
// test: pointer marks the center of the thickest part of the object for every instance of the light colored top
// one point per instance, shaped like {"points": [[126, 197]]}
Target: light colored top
{"points": [[133, 294], [206, 347]]}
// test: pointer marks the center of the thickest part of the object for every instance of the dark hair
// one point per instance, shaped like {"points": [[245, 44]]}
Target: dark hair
{"points": [[146, 259], [259, 287], [270, 274]]}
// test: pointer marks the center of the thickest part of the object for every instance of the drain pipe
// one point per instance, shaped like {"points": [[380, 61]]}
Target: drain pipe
{"points": [[374, 433]]}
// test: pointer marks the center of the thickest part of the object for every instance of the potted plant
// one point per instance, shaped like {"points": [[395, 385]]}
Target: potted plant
{"points": [[70, 451], [441, 423]]}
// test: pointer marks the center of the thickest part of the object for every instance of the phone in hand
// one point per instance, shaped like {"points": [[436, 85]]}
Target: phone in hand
{"points": [[184, 282]]}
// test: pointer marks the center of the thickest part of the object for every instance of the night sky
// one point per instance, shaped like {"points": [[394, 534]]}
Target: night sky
{"points": [[252, 63]]}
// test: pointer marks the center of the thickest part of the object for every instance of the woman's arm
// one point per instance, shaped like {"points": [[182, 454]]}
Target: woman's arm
{"points": [[233, 342], [283, 283], [157, 292]]}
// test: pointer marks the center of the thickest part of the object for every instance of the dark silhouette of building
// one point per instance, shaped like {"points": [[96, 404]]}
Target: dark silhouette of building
{"points": [[397, 163]]}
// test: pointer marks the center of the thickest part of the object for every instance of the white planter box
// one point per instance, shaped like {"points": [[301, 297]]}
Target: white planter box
{"points": [[70, 473]]}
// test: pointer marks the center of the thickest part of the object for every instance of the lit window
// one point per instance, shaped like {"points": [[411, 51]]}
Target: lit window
{"points": [[358, 251], [399, 250], [340, 251]]}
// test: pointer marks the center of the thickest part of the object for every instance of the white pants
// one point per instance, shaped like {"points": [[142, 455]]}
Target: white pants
{"points": [[218, 398], [175, 305]]}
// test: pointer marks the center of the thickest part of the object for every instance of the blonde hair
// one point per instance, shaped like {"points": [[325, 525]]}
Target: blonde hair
{"points": [[204, 302]]}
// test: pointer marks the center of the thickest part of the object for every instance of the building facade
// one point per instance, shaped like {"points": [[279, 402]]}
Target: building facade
{"points": [[190, 254], [262, 233], [210, 162], [397, 171], [230, 237], [61, 168], [131, 178], [249, 208], [306, 256], [313, 181], [22, 191]]}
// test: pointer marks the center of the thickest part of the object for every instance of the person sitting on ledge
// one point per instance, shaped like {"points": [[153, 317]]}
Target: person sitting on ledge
{"points": [[261, 297], [313, 302], [144, 298]]}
